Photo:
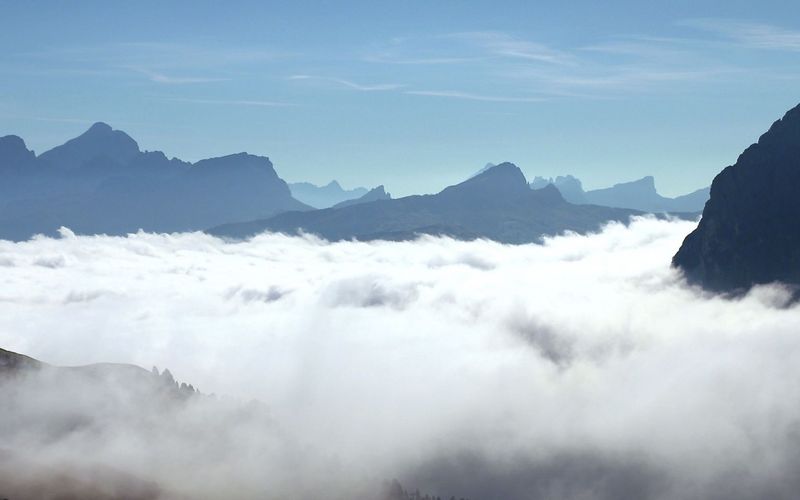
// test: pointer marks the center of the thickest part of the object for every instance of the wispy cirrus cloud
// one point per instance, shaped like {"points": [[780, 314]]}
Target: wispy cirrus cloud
{"points": [[390, 59], [748, 34], [465, 47], [456, 94], [350, 84], [157, 77], [158, 54], [233, 102], [53, 119], [501, 44], [159, 62], [608, 68]]}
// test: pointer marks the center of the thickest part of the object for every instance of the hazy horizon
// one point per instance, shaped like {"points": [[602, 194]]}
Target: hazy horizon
{"points": [[413, 95], [475, 369], [442, 324]]}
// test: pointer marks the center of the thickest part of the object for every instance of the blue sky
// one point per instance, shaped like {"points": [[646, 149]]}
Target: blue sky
{"points": [[413, 95]]}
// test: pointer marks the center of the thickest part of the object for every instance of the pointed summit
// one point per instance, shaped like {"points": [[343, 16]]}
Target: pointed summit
{"points": [[500, 181], [100, 143], [99, 128]]}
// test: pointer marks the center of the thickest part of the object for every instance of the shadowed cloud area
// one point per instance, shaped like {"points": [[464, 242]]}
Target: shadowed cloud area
{"points": [[459, 368]]}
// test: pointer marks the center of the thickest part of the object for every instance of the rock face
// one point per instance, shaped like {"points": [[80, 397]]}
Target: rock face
{"points": [[750, 230], [497, 204]]}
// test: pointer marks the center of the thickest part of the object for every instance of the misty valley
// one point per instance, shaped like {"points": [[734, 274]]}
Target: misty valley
{"points": [[472, 369], [284, 267]]}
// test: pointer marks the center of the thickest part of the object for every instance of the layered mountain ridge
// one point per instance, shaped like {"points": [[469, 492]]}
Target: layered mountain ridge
{"points": [[101, 182], [325, 196], [640, 194], [496, 204]]}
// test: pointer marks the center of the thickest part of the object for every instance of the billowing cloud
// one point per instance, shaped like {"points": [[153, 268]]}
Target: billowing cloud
{"points": [[580, 368]]}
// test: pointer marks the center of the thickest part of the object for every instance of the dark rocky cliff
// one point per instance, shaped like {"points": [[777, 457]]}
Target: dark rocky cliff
{"points": [[750, 230]]}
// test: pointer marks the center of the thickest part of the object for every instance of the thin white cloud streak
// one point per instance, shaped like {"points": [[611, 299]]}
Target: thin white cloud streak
{"points": [[505, 45], [159, 61], [422, 61], [634, 78], [156, 77], [607, 69], [455, 94], [158, 55], [350, 84], [231, 102], [416, 359], [748, 34]]}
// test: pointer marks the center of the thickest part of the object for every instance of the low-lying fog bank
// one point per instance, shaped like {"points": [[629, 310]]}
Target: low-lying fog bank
{"points": [[582, 368]]}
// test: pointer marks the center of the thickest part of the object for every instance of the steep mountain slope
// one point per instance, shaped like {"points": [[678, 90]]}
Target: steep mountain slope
{"points": [[497, 204], [750, 230]]}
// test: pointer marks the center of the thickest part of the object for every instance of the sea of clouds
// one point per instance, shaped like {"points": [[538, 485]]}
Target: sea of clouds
{"points": [[582, 368]]}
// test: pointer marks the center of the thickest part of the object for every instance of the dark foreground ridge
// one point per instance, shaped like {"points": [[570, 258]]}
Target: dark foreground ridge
{"points": [[45, 405], [750, 230], [496, 204], [165, 438]]}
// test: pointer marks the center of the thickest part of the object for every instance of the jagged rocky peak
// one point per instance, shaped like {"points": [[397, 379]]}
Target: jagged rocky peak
{"points": [[645, 185], [499, 183], [568, 186], [539, 182], [505, 174], [13, 144], [750, 230], [14, 152], [374, 194], [549, 193], [99, 141], [235, 161]]}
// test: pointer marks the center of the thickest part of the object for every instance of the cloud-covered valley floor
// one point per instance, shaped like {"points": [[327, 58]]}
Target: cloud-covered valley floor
{"points": [[581, 368]]}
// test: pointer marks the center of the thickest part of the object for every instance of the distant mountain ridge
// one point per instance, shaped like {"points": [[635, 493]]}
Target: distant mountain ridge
{"points": [[750, 230], [640, 194], [496, 204], [374, 194], [324, 196], [101, 182], [99, 142]]}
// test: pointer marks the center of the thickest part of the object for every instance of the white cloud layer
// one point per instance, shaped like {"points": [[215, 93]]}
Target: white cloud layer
{"points": [[581, 368]]}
